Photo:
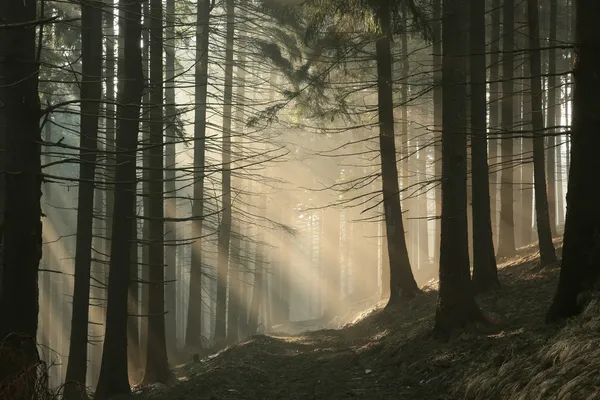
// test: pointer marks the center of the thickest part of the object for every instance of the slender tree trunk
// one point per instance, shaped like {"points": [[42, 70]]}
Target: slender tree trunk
{"points": [[581, 250], [113, 374], [109, 148], [286, 260], [485, 272], [547, 253], [171, 318], [331, 247], [257, 287], [494, 108], [133, 307], [506, 240], [22, 228], [137, 360], [527, 166], [225, 226], [91, 90], [551, 116], [402, 282], [193, 337], [437, 119], [157, 367], [236, 273]]}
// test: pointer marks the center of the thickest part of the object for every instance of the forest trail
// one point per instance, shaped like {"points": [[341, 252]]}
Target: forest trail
{"points": [[391, 355]]}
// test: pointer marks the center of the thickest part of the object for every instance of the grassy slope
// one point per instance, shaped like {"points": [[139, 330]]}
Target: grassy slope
{"points": [[391, 355]]}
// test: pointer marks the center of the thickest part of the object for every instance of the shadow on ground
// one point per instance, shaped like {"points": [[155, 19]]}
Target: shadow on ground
{"points": [[390, 354]]}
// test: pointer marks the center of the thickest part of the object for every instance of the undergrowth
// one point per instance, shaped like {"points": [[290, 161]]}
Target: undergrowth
{"points": [[391, 354]]}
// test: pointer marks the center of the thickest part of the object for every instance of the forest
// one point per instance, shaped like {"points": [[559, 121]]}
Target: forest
{"points": [[299, 199]]}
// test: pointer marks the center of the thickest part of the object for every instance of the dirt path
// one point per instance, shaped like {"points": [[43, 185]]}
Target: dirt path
{"points": [[388, 355]]}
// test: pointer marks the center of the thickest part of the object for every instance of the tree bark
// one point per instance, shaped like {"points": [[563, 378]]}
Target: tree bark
{"points": [[485, 272], [21, 231], [91, 90], [113, 378], [157, 367], [402, 281], [494, 108], [437, 120], [580, 266], [456, 302], [551, 116], [225, 225], [193, 337], [171, 318], [547, 253], [506, 239]]}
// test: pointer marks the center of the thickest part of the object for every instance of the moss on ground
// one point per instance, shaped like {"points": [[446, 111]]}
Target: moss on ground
{"points": [[390, 354]]}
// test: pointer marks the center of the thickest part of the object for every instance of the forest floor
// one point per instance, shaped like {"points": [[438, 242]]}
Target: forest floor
{"points": [[391, 354]]}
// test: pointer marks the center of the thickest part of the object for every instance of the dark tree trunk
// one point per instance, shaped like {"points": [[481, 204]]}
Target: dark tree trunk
{"points": [[171, 318], [113, 374], [551, 115], [236, 273], [257, 289], [494, 110], [581, 250], [437, 120], [193, 337], [109, 74], [402, 282], [136, 371], [225, 226], [547, 253], [485, 272], [91, 90], [133, 305], [21, 230], [456, 302], [527, 166], [506, 230], [157, 367]]}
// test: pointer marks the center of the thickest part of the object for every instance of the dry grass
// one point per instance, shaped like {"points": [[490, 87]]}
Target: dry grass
{"points": [[391, 355]]}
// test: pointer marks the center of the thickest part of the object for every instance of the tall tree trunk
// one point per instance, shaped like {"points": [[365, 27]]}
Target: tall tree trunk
{"points": [[551, 116], [506, 240], [257, 286], [547, 253], [91, 90], [485, 272], [527, 165], [109, 148], [193, 337], [236, 272], [385, 264], [456, 303], [133, 308], [170, 185], [581, 250], [137, 360], [225, 225], [402, 281], [113, 374], [494, 111], [437, 120], [157, 367], [22, 228]]}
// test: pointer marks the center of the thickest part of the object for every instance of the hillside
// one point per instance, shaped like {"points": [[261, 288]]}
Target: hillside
{"points": [[391, 355]]}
